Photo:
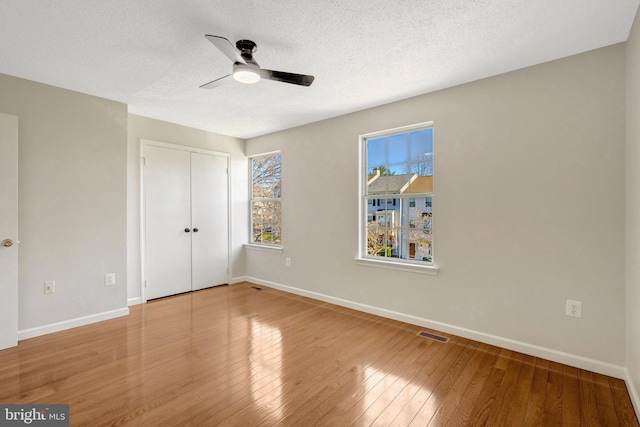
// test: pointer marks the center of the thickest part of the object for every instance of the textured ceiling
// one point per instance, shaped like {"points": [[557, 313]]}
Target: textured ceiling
{"points": [[152, 54]]}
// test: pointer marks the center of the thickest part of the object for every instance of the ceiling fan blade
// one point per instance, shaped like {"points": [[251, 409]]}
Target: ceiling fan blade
{"points": [[214, 83], [281, 76], [226, 47]]}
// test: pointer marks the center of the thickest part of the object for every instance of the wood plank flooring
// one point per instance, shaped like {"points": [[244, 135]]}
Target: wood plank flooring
{"points": [[239, 356]]}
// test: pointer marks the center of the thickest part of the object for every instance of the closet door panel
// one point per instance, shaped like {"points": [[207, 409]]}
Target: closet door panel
{"points": [[167, 215], [209, 215]]}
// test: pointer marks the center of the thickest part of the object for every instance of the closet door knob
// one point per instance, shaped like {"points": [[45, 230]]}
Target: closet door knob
{"points": [[186, 230], [195, 230]]}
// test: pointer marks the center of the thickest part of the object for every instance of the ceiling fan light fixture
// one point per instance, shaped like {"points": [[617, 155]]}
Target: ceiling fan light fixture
{"points": [[245, 75], [246, 69]]}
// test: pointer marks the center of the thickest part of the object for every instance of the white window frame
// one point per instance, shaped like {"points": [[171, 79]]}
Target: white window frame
{"points": [[375, 261], [263, 245]]}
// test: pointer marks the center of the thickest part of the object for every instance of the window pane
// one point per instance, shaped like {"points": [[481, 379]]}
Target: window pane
{"points": [[401, 228], [421, 144], [422, 152], [419, 243], [421, 184], [266, 218], [376, 152], [381, 240], [399, 148], [257, 214], [422, 168], [265, 172]]}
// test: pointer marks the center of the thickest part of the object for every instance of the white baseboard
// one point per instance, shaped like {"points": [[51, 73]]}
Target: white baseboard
{"points": [[633, 392], [71, 323], [134, 301], [576, 361], [240, 279]]}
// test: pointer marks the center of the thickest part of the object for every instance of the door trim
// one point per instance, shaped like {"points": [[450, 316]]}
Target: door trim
{"points": [[151, 143]]}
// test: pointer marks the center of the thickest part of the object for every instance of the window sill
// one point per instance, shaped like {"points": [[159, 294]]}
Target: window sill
{"points": [[266, 248], [413, 268]]}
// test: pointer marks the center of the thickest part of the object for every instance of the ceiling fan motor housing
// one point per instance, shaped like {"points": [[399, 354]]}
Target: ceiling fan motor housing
{"points": [[246, 46]]}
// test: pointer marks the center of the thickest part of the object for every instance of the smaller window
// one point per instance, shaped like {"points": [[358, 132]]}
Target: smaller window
{"points": [[412, 203], [265, 199]]}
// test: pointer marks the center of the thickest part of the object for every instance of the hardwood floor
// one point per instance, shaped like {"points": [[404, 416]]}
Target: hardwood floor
{"points": [[236, 355]]}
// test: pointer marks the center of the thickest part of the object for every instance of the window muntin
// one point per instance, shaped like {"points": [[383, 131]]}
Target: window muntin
{"points": [[398, 225], [265, 199]]}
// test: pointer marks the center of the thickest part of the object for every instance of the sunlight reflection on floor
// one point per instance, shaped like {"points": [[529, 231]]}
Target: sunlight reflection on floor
{"points": [[266, 359]]}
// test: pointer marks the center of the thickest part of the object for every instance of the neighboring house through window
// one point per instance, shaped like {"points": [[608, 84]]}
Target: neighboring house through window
{"points": [[265, 199], [398, 178]]}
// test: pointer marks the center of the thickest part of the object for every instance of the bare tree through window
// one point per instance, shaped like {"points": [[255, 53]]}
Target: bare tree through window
{"points": [[266, 212]]}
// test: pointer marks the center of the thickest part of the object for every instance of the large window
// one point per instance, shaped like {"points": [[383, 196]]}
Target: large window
{"points": [[265, 199], [398, 195]]}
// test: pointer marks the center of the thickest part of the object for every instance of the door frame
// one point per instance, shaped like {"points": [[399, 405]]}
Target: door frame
{"points": [[151, 143]]}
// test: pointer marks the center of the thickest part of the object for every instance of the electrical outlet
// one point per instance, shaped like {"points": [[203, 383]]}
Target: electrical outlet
{"points": [[574, 308], [287, 262], [49, 287], [110, 279]]}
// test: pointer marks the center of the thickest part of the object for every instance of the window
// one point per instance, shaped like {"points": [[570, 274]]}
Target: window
{"points": [[265, 199], [398, 172]]}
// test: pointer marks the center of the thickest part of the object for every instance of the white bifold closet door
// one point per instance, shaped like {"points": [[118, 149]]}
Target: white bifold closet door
{"points": [[209, 217], [186, 229]]}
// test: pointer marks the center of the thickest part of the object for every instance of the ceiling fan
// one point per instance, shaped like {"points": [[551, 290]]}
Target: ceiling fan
{"points": [[246, 69]]}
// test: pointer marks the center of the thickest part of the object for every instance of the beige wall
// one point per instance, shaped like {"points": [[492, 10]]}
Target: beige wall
{"points": [[633, 211], [528, 211], [146, 128], [72, 201]]}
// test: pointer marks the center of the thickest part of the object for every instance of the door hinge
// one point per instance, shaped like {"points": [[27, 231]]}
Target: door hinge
{"points": [[145, 283], [144, 161]]}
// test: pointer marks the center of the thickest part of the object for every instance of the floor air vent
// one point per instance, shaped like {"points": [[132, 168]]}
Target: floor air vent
{"points": [[433, 336], [257, 288]]}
